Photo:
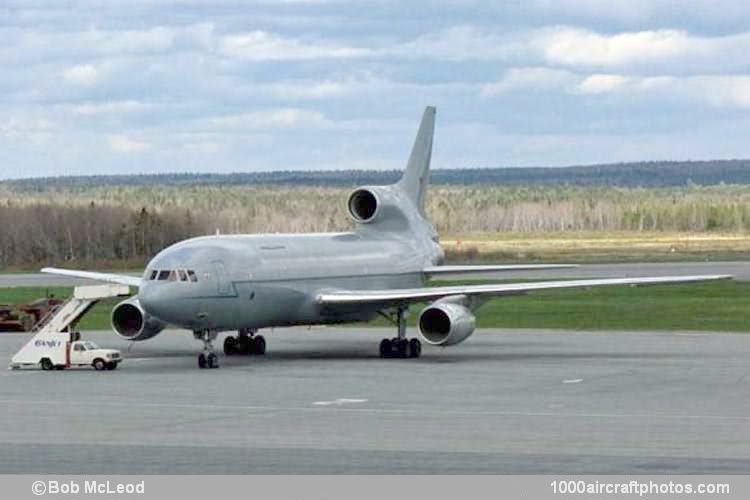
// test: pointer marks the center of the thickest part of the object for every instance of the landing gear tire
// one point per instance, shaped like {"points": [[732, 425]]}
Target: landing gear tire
{"points": [[259, 345], [230, 346], [212, 361], [415, 348], [201, 360], [385, 348], [400, 348]]}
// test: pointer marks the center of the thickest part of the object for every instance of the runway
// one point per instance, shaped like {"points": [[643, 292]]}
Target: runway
{"points": [[321, 401], [739, 269]]}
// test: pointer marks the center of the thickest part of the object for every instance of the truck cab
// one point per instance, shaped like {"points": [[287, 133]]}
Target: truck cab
{"points": [[87, 353]]}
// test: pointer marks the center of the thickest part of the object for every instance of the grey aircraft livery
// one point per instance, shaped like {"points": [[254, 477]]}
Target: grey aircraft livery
{"points": [[243, 283]]}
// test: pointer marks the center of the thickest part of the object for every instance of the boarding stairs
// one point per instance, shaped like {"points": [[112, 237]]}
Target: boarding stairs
{"points": [[64, 317]]}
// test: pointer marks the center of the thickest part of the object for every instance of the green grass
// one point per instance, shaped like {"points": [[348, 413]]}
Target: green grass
{"points": [[720, 306], [96, 319]]}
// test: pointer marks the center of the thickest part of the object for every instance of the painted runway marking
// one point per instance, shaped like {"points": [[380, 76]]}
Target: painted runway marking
{"points": [[573, 381], [378, 411], [339, 402]]}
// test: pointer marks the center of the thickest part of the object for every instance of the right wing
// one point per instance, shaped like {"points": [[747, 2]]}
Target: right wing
{"points": [[120, 279], [398, 296], [433, 271]]}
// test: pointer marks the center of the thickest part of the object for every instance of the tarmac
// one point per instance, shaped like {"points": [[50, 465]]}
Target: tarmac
{"points": [[739, 269], [322, 401]]}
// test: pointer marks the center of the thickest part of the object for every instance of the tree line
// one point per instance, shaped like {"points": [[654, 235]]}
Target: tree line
{"points": [[634, 174], [125, 225]]}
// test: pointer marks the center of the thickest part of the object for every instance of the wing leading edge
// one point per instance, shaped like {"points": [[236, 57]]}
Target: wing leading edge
{"points": [[407, 295], [433, 271], [119, 279]]}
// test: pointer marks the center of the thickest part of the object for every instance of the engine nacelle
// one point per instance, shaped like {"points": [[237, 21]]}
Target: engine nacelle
{"points": [[446, 323], [131, 322], [364, 205]]}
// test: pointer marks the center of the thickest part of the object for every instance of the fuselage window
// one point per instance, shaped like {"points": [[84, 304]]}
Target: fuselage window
{"points": [[193, 277], [182, 274], [154, 274], [163, 275]]}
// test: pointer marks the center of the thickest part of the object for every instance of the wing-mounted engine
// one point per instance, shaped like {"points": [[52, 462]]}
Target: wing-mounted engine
{"points": [[131, 322], [446, 322]]}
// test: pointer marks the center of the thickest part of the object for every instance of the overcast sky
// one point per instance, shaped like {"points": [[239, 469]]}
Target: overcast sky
{"points": [[148, 86]]}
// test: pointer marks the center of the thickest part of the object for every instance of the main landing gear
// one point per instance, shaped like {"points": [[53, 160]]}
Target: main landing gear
{"points": [[208, 358], [400, 346], [245, 343]]}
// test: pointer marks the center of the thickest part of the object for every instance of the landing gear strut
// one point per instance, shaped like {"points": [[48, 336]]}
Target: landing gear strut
{"points": [[400, 346], [245, 343], [208, 358]]}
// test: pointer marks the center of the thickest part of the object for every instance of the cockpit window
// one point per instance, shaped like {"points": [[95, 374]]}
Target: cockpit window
{"points": [[182, 274], [192, 276], [172, 275], [163, 275], [154, 273]]}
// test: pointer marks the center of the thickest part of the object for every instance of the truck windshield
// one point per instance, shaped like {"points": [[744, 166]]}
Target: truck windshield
{"points": [[90, 346]]}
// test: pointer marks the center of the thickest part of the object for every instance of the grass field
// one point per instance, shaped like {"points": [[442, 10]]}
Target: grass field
{"points": [[596, 246], [719, 306]]}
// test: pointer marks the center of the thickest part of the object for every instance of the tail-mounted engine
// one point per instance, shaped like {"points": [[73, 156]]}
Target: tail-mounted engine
{"points": [[364, 205], [445, 323], [131, 322]]}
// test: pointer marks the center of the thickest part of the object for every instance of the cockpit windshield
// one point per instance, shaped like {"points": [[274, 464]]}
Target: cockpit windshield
{"points": [[184, 275]]}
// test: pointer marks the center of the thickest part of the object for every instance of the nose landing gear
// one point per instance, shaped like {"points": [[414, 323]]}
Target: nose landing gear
{"points": [[208, 358], [245, 343]]}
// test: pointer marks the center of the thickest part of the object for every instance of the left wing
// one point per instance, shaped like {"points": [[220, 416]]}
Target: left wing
{"points": [[450, 270], [408, 295], [120, 279]]}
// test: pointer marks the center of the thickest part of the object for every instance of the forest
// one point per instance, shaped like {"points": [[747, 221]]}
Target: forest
{"points": [[121, 226]]}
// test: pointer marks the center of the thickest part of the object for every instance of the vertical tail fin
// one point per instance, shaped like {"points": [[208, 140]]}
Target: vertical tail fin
{"points": [[414, 180]]}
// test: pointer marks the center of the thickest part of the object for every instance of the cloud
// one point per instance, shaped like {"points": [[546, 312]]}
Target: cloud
{"points": [[725, 91], [535, 78], [109, 107], [82, 74], [265, 46], [124, 144], [677, 49], [283, 118]]}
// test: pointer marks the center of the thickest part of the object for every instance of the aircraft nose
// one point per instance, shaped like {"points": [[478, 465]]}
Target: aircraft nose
{"points": [[151, 299]]}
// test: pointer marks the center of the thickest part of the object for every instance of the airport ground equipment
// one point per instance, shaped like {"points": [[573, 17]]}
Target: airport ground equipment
{"points": [[55, 344]]}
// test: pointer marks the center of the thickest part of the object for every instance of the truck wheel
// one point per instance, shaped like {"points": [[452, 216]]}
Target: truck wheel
{"points": [[46, 364], [98, 364]]}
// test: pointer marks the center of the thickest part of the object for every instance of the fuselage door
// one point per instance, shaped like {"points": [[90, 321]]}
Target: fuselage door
{"points": [[223, 285]]}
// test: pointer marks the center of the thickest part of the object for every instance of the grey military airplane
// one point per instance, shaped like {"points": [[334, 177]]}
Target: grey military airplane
{"points": [[243, 283]]}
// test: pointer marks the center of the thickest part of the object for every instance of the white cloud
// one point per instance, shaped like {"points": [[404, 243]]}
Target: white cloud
{"points": [[460, 43], [268, 119], [599, 84], [82, 74], [265, 46], [109, 107], [530, 79], [124, 144], [676, 49]]}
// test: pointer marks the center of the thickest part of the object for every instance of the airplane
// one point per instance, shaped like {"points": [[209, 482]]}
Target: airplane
{"points": [[244, 283]]}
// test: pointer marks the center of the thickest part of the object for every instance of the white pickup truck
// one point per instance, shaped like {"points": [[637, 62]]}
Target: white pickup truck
{"points": [[59, 350]]}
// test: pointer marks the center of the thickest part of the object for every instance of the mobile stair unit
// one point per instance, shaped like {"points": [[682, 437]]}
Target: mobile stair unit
{"points": [[49, 346]]}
